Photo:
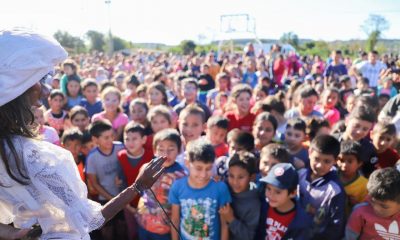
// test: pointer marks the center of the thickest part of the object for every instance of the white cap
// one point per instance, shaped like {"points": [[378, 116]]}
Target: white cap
{"points": [[25, 58]]}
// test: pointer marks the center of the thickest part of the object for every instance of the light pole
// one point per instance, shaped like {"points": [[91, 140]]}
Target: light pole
{"points": [[110, 38]]}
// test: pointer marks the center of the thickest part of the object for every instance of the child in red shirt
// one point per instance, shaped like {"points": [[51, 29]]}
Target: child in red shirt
{"points": [[379, 218], [383, 136], [241, 117], [131, 159], [217, 128]]}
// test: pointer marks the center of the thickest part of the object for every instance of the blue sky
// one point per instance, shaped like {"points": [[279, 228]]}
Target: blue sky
{"points": [[170, 21]]}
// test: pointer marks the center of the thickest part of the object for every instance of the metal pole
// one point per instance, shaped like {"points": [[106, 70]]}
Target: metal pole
{"points": [[110, 38]]}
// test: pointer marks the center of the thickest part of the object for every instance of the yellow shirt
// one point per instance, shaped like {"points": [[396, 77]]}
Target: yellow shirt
{"points": [[356, 192]]}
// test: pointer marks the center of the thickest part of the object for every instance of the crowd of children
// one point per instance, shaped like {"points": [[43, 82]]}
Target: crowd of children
{"points": [[257, 146]]}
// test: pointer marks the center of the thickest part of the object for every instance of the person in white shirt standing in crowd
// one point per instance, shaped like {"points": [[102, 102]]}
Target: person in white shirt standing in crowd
{"points": [[372, 69]]}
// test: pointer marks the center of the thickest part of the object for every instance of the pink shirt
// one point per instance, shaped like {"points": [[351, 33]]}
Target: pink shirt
{"points": [[332, 115], [121, 119], [365, 224]]}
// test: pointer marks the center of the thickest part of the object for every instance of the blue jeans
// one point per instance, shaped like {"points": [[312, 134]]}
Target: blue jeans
{"points": [[146, 235]]}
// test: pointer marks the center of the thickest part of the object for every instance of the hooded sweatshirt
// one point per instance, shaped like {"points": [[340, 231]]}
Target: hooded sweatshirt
{"points": [[246, 207]]}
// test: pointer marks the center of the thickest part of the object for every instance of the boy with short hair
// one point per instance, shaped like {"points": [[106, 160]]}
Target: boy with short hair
{"points": [[217, 129], [190, 88], [238, 140], [383, 136], [358, 126], [242, 216], [91, 102], [132, 158], [72, 141], [321, 192], [295, 135], [282, 217], [273, 154], [150, 217], [197, 198], [349, 164], [102, 170], [379, 218]]}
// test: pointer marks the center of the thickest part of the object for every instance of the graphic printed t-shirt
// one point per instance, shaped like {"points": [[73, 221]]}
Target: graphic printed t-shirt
{"points": [[149, 215], [278, 223], [365, 224], [199, 217]]}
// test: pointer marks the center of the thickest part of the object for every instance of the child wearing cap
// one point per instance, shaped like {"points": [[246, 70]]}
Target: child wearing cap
{"points": [[282, 217]]}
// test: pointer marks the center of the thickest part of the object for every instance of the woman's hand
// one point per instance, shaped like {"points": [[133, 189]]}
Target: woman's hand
{"points": [[150, 174]]}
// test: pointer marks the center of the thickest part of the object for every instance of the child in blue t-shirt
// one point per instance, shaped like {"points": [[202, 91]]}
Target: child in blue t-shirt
{"points": [[197, 198]]}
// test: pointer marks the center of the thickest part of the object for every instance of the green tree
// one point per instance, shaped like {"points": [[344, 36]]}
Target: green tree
{"points": [[120, 44], [96, 40], [69, 42], [290, 38], [373, 27], [187, 47]]}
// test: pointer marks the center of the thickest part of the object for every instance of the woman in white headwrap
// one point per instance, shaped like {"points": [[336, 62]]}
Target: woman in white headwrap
{"points": [[39, 182]]}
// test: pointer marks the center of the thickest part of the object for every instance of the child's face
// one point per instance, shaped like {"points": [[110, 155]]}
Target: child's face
{"points": [[91, 93], [39, 117], [306, 105], [74, 146], [266, 163], [189, 92], [111, 102], [142, 94], [138, 113], [348, 164], [216, 135], [199, 172], [55, 84], [56, 103], [386, 208], [159, 122], [105, 140], [294, 138], [382, 141], [191, 126], [223, 83], [243, 102], [382, 102], [263, 133], [323, 131], [68, 70], [357, 129], [238, 179], [134, 142], [350, 103], [260, 95], [155, 97], [330, 100], [278, 197], [80, 121], [320, 163], [73, 88], [169, 149], [87, 147]]}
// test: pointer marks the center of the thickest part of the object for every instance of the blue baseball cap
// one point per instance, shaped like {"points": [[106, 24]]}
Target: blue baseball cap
{"points": [[283, 176]]}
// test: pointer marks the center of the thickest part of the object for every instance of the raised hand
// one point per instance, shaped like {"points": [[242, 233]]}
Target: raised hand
{"points": [[151, 173]]}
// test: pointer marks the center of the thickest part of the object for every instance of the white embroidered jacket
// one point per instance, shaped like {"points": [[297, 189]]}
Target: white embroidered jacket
{"points": [[55, 197]]}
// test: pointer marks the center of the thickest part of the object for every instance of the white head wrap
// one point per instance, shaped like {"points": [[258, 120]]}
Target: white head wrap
{"points": [[25, 58]]}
